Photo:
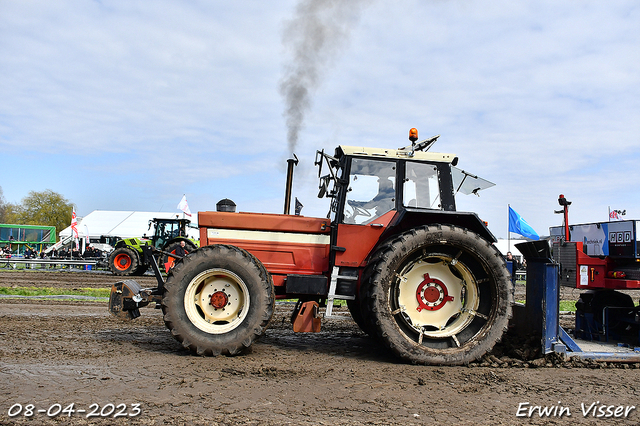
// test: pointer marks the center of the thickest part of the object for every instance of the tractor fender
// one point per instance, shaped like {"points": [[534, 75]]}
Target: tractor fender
{"points": [[134, 244], [408, 218]]}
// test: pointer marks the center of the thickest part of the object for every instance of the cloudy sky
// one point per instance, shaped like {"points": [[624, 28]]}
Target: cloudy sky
{"points": [[128, 105]]}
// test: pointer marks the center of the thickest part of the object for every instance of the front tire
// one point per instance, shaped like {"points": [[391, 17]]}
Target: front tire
{"points": [[123, 261], [218, 300], [438, 295]]}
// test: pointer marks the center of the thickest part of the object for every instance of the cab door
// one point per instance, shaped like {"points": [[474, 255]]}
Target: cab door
{"points": [[370, 203]]}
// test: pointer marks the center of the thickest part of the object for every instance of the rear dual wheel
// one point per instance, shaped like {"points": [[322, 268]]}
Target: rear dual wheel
{"points": [[438, 295], [218, 300]]}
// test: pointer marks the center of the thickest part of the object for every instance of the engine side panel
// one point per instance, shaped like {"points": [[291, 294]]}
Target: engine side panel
{"points": [[281, 253], [264, 222]]}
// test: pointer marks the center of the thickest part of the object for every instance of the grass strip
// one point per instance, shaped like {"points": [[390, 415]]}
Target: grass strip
{"points": [[53, 291], [565, 305]]}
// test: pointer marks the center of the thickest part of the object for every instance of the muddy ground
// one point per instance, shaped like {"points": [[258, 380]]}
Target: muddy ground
{"points": [[64, 352]]}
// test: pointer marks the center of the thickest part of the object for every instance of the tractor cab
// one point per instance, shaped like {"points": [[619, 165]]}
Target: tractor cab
{"points": [[366, 184], [167, 229]]}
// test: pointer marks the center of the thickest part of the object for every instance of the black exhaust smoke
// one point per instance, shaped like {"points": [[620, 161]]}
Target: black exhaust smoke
{"points": [[313, 38]]}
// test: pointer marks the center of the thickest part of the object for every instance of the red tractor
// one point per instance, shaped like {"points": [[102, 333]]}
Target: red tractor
{"points": [[422, 278]]}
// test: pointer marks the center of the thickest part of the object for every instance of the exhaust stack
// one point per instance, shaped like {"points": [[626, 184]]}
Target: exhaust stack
{"points": [[291, 163]]}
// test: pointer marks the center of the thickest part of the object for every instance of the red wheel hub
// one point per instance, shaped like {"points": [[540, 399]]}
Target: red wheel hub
{"points": [[122, 261], [219, 299], [432, 294]]}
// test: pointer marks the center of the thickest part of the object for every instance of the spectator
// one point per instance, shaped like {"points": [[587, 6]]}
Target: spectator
{"points": [[180, 251], [514, 261]]}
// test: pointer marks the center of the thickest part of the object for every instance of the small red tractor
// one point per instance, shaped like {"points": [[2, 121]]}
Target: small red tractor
{"points": [[419, 276]]}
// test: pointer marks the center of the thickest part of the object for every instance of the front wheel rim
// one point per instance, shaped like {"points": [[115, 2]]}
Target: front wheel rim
{"points": [[217, 301]]}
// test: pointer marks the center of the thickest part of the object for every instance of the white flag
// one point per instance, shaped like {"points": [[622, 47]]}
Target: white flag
{"points": [[184, 206], [74, 223], [74, 227]]}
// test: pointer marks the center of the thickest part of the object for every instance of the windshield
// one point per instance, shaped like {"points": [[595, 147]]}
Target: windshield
{"points": [[371, 191], [166, 231]]}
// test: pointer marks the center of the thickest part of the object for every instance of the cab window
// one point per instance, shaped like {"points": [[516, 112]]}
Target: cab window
{"points": [[421, 186], [371, 191]]}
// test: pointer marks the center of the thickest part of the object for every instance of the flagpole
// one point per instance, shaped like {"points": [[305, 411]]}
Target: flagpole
{"points": [[508, 233]]}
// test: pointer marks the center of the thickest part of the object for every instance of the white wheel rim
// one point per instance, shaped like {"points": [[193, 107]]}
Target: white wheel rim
{"points": [[435, 316], [198, 304]]}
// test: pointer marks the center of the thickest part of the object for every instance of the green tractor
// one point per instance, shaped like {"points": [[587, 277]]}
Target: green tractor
{"points": [[127, 257]]}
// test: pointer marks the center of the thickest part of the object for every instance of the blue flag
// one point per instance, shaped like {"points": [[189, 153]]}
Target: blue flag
{"points": [[520, 226]]}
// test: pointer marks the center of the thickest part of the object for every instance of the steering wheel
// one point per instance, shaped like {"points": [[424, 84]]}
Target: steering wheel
{"points": [[358, 210]]}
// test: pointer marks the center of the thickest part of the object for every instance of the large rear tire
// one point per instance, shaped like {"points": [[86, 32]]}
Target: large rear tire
{"points": [[356, 314], [218, 300], [438, 295], [124, 261]]}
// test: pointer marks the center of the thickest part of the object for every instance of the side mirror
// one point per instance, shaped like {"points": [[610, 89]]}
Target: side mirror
{"points": [[324, 182], [318, 162]]}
